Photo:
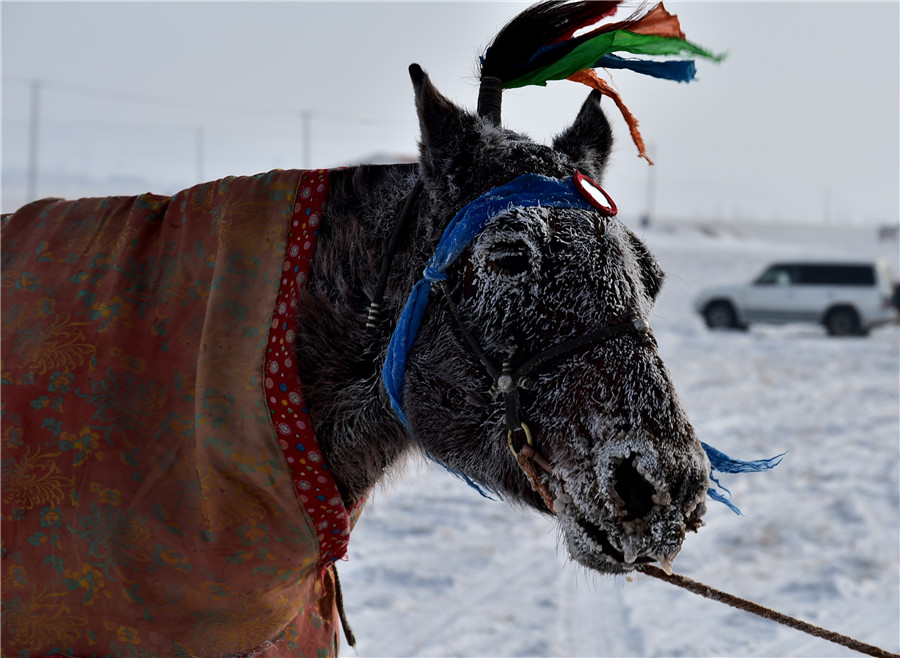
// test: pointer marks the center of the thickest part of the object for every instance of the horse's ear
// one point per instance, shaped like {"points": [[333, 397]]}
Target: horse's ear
{"points": [[444, 127], [588, 141]]}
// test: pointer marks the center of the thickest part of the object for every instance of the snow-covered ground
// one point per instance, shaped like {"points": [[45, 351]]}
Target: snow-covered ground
{"points": [[436, 570]]}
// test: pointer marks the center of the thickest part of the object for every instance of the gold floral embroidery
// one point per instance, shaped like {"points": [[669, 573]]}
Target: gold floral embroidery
{"points": [[242, 226], [116, 539], [126, 402], [104, 495], [84, 444], [41, 620], [228, 502], [230, 628], [89, 579], [35, 480], [128, 362], [59, 346], [129, 635], [18, 576], [110, 311]]}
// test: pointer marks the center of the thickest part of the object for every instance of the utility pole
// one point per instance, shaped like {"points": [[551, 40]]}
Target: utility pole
{"points": [[306, 126], [33, 127]]}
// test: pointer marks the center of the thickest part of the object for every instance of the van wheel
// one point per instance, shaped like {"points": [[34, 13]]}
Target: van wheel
{"points": [[842, 322], [720, 315]]}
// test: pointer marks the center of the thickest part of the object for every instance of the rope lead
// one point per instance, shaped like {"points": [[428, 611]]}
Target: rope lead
{"points": [[342, 614], [766, 613]]}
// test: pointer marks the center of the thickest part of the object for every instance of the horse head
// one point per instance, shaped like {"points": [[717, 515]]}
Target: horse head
{"points": [[520, 353], [532, 336]]}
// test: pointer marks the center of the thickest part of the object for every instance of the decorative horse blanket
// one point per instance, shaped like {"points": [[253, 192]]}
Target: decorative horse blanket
{"points": [[162, 491]]}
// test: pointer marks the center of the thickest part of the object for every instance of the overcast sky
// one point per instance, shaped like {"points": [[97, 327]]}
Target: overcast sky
{"points": [[799, 123]]}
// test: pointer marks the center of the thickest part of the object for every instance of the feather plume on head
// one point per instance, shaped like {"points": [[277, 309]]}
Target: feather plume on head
{"points": [[558, 40]]}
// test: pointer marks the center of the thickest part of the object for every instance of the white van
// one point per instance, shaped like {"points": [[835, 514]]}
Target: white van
{"points": [[847, 298]]}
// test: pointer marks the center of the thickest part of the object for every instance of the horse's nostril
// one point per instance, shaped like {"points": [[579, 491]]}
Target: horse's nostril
{"points": [[635, 492]]}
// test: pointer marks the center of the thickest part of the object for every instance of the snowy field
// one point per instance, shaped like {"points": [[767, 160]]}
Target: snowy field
{"points": [[436, 570]]}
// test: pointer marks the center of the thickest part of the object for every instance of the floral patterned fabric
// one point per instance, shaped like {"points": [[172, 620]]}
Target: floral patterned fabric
{"points": [[162, 493]]}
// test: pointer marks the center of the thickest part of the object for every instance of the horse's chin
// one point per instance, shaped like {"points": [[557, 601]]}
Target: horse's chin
{"points": [[618, 546]]}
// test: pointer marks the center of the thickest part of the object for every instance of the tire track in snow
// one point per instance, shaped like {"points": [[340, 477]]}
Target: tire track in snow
{"points": [[596, 619]]}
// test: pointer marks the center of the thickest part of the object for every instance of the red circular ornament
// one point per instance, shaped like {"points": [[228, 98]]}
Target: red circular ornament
{"points": [[595, 194]]}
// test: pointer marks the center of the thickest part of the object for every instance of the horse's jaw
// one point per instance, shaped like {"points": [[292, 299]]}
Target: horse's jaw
{"points": [[633, 505]]}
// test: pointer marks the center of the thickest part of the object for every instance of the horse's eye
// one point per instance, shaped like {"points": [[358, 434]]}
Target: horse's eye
{"points": [[512, 263]]}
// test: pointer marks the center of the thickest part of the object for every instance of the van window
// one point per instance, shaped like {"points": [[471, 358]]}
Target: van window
{"points": [[777, 275], [835, 275]]}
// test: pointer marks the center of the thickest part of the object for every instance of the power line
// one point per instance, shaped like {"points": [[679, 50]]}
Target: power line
{"points": [[144, 99], [306, 116]]}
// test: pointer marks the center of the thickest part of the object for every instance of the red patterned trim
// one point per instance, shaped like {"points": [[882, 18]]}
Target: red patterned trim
{"points": [[316, 487]]}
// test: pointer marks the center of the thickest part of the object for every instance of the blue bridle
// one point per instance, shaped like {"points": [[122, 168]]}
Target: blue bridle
{"points": [[524, 191]]}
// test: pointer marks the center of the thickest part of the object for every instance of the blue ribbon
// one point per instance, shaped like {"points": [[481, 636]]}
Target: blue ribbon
{"points": [[679, 70], [722, 463], [525, 191]]}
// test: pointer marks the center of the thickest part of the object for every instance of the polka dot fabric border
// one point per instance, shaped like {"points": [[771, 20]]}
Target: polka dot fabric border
{"points": [[316, 487]]}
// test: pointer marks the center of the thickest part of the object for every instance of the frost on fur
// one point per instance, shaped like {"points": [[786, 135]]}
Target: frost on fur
{"points": [[629, 475]]}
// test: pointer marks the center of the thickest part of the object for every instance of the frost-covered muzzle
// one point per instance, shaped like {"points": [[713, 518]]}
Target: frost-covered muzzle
{"points": [[629, 477], [630, 504]]}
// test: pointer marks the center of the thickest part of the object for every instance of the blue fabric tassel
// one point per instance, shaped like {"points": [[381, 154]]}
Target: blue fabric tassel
{"points": [[722, 463], [465, 478], [719, 461], [546, 48], [679, 70], [525, 191]]}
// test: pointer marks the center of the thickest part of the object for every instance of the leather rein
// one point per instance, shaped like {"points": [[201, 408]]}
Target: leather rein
{"points": [[508, 382]]}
